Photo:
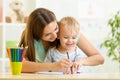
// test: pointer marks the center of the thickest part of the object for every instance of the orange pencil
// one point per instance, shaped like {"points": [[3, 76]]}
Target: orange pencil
{"points": [[9, 53]]}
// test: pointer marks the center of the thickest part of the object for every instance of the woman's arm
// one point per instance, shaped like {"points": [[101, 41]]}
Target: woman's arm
{"points": [[29, 66], [94, 57]]}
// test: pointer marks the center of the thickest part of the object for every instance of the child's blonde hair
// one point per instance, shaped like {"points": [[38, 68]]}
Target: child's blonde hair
{"points": [[69, 23]]}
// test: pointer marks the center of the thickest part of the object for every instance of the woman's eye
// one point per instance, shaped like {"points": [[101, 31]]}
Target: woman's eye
{"points": [[56, 28], [47, 34]]}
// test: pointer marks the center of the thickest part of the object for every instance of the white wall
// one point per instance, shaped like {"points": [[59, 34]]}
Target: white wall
{"points": [[60, 7], [1, 40]]}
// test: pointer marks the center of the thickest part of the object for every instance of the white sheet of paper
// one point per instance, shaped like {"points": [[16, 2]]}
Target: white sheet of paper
{"points": [[54, 73]]}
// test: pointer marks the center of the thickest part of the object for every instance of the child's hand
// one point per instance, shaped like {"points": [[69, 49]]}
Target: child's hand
{"points": [[71, 70], [62, 64], [75, 67], [68, 71]]}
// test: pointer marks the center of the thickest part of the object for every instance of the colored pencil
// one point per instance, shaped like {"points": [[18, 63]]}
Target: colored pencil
{"points": [[9, 53], [15, 54], [69, 58]]}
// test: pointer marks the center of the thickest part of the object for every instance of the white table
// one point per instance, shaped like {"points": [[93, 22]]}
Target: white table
{"points": [[44, 76]]}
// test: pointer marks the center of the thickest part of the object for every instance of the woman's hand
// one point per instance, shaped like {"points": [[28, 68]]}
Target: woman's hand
{"points": [[62, 64]]}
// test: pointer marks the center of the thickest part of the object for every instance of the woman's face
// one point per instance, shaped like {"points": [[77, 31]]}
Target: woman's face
{"points": [[50, 32]]}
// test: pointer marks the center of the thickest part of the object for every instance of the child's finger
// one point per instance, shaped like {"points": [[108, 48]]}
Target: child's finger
{"points": [[74, 70]]}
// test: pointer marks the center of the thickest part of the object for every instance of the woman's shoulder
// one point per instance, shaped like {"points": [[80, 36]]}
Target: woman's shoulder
{"points": [[37, 43]]}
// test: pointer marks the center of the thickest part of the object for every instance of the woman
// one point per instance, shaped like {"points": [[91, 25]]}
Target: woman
{"points": [[40, 34]]}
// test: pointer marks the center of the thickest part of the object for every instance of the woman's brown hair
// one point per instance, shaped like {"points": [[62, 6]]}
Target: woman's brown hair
{"points": [[36, 23]]}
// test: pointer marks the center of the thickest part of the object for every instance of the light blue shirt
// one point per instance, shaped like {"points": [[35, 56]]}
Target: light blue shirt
{"points": [[54, 55]]}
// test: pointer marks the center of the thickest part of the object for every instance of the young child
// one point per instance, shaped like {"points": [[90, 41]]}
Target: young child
{"points": [[69, 33]]}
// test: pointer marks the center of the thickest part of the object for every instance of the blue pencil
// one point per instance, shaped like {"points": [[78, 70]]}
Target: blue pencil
{"points": [[71, 66], [20, 54]]}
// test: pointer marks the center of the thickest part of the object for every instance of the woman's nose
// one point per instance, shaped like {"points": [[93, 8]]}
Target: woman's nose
{"points": [[54, 35]]}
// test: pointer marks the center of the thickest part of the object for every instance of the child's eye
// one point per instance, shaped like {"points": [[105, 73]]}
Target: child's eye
{"points": [[66, 37], [74, 38]]}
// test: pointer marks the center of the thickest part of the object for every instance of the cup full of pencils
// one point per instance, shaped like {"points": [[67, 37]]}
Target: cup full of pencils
{"points": [[16, 56]]}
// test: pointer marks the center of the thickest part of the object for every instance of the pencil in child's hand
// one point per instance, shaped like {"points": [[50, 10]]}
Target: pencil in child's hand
{"points": [[68, 55], [71, 66]]}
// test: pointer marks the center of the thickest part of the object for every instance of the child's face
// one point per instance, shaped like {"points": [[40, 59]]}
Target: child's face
{"points": [[67, 38]]}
